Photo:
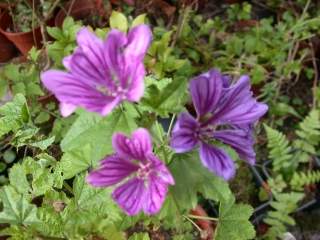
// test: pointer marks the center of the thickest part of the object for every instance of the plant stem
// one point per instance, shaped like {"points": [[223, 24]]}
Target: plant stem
{"points": [[159, 131], [68, 187], [70, 8], [48, 15], [183, 17], [203, 217], [171, 124], [12, 16], [316, 75], [193, 223]]}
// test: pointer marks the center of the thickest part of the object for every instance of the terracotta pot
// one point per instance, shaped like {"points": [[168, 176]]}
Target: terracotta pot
{"points": [[79, 10], [24, 41], [204, 224], [7, 48]]}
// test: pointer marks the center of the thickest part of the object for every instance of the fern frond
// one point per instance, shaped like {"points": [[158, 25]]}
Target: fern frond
{"points": [[301, 179], [279, 149], [309, 128], [284, 204]]}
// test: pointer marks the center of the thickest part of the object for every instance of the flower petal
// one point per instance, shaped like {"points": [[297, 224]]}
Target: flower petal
{"points": [[237, 106], [155, 195], [114, 58], [66, 62], [184, 134], [139, 39], [157, 185], [217, 161], [95, 73], [73, 91], [136, 88], [90, 45], [161, 170], [67, 109], [112, 170], [131, 196], [137, 147], [206, 91], [240, 140]]}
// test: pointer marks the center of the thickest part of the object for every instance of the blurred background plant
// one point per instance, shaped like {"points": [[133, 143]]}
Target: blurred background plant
{"points": [[45, 157]]}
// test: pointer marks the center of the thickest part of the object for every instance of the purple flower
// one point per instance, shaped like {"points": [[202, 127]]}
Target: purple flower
{"points": [[226, 113], [101, 74], [144, 178]]}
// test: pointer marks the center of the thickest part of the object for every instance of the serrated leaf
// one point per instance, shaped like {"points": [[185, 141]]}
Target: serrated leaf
{"points": [[234, 221], [97, 131], [76, 161], [96, 199], [91, 209], [13, 114], [16, 209], [170, 99], [17, 232], [18, 179], [198, 179], [43, 144]]}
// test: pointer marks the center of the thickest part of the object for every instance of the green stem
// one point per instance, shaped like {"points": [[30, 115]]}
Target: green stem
{"points": [[159, 131], [203, 217], [171, 124], [193, 223], [68, 187]]}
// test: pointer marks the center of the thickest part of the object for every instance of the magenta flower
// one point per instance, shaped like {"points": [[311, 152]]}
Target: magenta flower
{"points": [[144, 178], [226, 113], [101, 74]]}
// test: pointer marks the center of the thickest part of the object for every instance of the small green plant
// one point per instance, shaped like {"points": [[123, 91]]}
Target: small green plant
{"points": [[301, 179], [283, 205], [279, 149]]}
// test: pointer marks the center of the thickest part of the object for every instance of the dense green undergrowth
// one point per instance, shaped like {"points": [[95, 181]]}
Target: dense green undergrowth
{"points": [[45, 158]]}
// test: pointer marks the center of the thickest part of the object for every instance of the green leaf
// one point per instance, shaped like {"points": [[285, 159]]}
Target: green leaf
{"points": [[76, 161], [18, 179], [279, 149], [55, 32], [43, 144], [9, 156], [119, 21], [42, 118], [91, 209], [199, 179], [33, 54], [283, 204], [97, 131], [17, 232], [139, 236], [16, 209], [13, 114], [42, 181], [170, 99], [42, 177], [68, 23], [234, 221], [138, 20]]}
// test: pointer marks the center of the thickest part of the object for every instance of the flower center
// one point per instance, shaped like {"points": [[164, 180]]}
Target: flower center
{"points": [[144, 171], [114, 93], [103, 89], [205, 133]]}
